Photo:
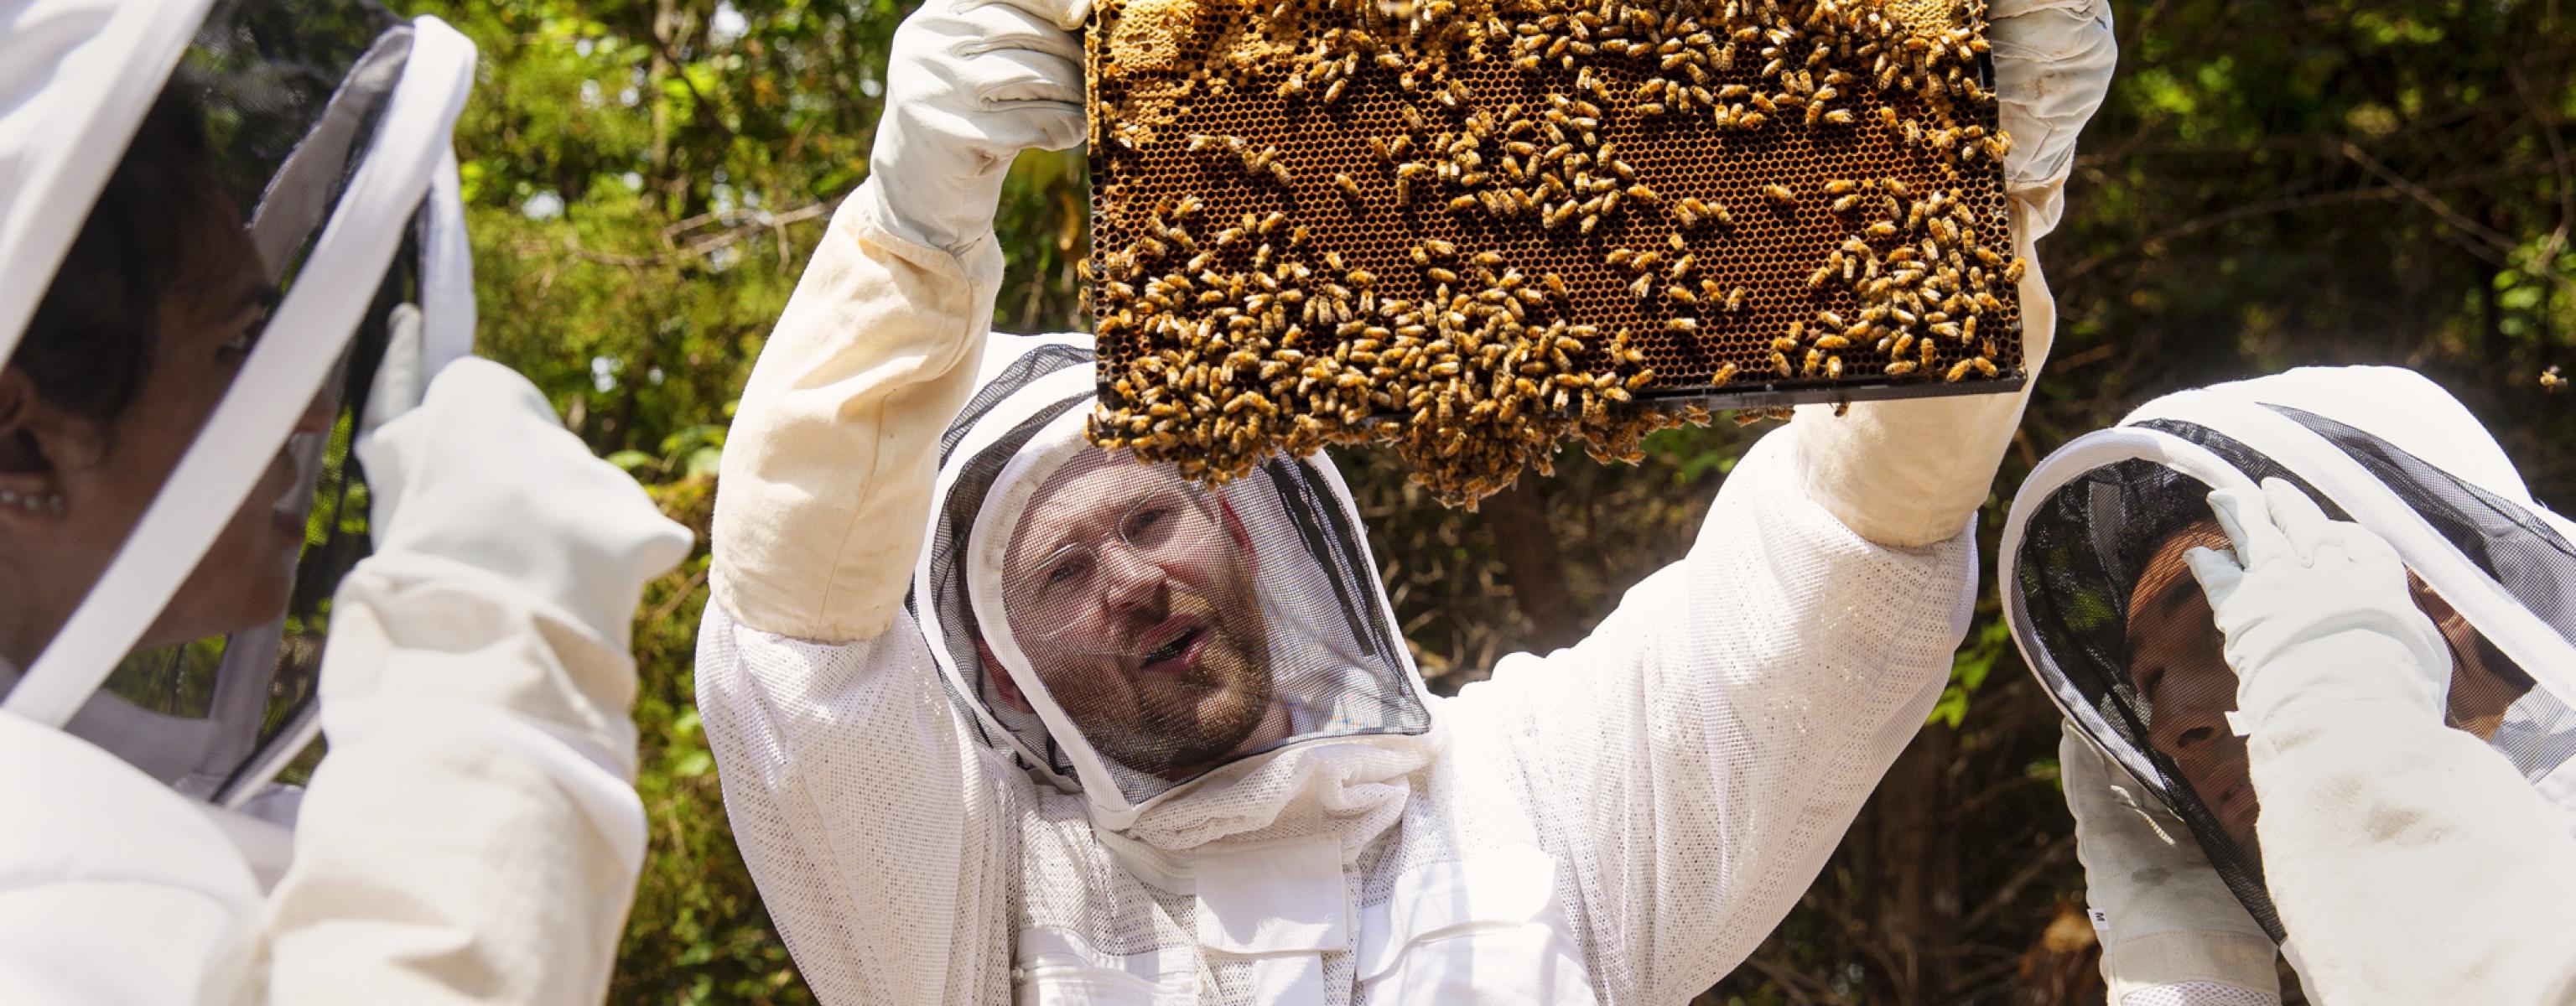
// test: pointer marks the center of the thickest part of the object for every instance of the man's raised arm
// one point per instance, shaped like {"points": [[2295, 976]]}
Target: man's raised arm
{"points": [[876, 825], [1699, 756], [827, 470]]}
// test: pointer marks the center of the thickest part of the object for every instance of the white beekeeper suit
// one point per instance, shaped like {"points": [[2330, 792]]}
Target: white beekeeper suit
{"points": [[2397, 857], [288, 291], [929, 817]]}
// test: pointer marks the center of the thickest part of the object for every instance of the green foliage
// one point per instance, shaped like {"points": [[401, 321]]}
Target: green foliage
{"points": [[2269, 185]]}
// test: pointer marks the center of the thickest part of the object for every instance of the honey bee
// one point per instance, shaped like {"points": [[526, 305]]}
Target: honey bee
{"points": [[1780, 194], [2550, 381], [1735, 299]]}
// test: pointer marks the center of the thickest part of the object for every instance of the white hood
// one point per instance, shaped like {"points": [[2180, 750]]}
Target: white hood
{"points": [[2379, 446], [1359, 718], [336, 154]]}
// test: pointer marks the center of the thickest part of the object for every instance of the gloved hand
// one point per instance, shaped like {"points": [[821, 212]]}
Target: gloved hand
{"points": [[1910, 473], [482, 474], [2315, 609], [970, 84], [2170, 929], [2053, 63], [401, 379]]}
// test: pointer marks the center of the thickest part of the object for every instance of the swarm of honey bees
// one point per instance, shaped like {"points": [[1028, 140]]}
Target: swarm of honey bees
{"points": [[1472, 230]]}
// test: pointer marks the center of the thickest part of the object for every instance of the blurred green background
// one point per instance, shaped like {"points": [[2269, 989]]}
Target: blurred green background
{"points": [[2269, 185]]}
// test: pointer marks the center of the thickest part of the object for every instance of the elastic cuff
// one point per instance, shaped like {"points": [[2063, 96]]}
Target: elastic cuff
{"points": [[887, 220], [2219, 957]]}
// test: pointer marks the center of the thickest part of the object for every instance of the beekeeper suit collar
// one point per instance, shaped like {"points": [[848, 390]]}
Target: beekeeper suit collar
{"points": [[2110, 514], [184, 503], [1194, 660]]}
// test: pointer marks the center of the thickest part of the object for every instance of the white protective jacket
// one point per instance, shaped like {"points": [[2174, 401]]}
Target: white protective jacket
{"points": [[2408, 861], [1621, 821], [474, 834]]}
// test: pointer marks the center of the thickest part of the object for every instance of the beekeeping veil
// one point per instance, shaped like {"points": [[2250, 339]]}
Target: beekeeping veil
{"points": [[209, 212], [2092, 545], [1133, 635]]}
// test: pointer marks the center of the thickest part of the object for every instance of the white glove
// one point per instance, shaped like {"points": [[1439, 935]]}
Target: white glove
{"points": [[2170, 929], [2315, 608], [1871, 467], [2053, 63], [970, 84], [482, 474]]}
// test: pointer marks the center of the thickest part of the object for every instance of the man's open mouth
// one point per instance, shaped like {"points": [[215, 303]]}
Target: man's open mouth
{"points": [[1180, 643]]}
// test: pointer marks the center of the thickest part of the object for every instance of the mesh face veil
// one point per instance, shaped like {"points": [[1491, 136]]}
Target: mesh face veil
{"points": [[185, 373], [1126, 632], [2111, 620]]}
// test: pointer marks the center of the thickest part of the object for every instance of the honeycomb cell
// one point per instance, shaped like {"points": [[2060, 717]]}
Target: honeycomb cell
{"points": [[1471, 230]]}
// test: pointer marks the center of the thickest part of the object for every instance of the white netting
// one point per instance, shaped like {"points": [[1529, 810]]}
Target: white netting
{"points": [[2198, 994]]}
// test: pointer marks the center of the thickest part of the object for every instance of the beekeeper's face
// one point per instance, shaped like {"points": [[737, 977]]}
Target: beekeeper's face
{"points": [[2175, 657], [163, 317], [1131, 592]]}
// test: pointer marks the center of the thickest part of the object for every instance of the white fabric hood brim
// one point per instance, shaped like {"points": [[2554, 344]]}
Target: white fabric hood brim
{"points": [[2393, 404], [76, 77]]}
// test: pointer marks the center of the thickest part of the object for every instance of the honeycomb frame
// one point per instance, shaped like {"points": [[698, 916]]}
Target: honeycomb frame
{"points": [[1192, 102]]}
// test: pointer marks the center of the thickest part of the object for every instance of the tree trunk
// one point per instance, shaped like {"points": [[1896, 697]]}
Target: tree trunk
{"points": [[1535, 566], [1917, 915]]}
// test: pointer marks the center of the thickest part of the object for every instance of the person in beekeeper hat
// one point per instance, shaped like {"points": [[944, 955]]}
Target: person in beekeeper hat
{"points": [[252, 489], [2311, 634], [1003, 718]]}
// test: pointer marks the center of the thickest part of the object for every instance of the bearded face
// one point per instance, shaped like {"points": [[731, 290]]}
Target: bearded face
{"points": [[1131, 594]]}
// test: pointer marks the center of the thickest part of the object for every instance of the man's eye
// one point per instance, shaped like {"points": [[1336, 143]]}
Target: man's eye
{"points": [[1146, 520], [1063, 572]]}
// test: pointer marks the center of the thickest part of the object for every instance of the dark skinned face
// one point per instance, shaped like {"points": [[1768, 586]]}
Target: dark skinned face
{"points": [[108, 473]]}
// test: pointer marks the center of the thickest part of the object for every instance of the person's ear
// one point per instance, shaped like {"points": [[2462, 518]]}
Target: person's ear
{"points": [[1000, 676], [30, 482]]}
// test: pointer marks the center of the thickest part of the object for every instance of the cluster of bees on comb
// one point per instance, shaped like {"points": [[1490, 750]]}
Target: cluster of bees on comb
{"points": [[1472, 230]]}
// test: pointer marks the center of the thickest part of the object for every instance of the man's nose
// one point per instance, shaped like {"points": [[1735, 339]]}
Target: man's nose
{"points": [[1132, 582]]}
